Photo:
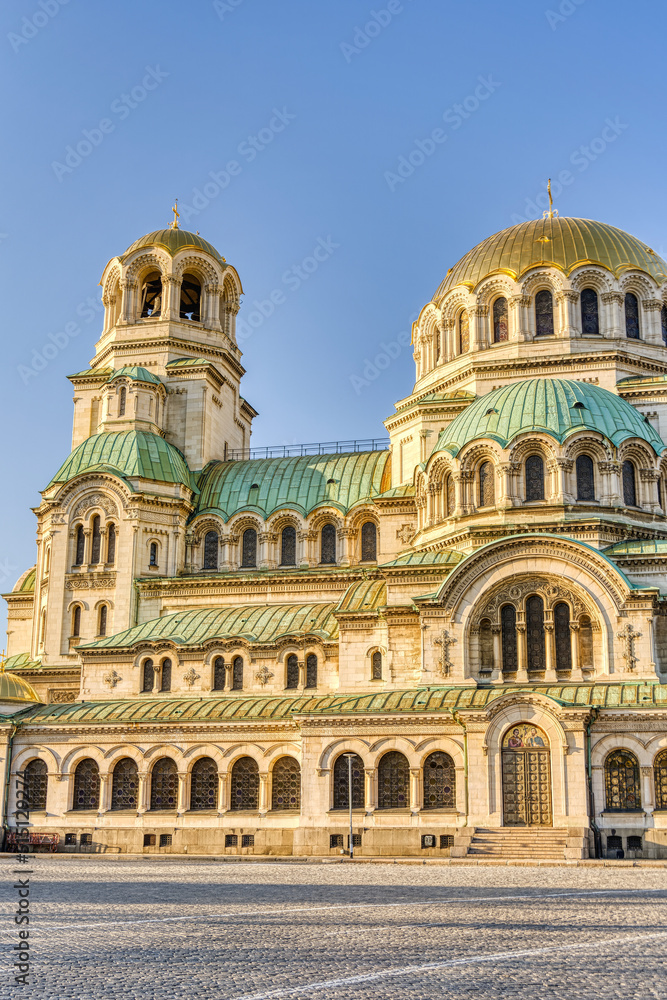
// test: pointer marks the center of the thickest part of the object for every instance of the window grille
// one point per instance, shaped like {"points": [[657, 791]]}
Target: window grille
{"points": [[356, 840], [629, 487], [428, 840], [590, 319], [368, 542], [292, 675], [439, 781], [341, 780], [508, 636], [219, 671], [164, 784], [248, 840], [335, 840], [166, 839], [328, 544], [211, 550], [500, 327], [631, 316], [244, 793], [149, 840], [634, 843], [621, 775], [122, 401], [487, 492], [249, 549], [311, 671], [237, 673], [70, 838], [102, 624], [231, 840], [660, 778], [95, 551], [80, 547], [286, 784], [204, 784], [86, 785], [544, 313], [393, 781], [376, 666], [585, 478], [535, 633], [563, 637], [36, 784], [125, 785], [464, 332], [534, 478], [165, 676], [152, 558], [86, 839], [76, 621], [111, 543], [446, 840], [149, 676], [288, 546], [614, 843]]}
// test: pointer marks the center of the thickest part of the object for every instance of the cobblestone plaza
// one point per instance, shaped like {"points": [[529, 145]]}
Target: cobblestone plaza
{"points": [[248, 931]]}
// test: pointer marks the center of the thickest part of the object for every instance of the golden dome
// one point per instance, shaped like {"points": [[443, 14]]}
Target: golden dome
{"points": [[15, 688], [557, 242]]}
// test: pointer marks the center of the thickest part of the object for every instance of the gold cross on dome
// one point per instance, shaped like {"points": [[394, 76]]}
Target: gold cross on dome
{"points": [[551, 212], [174, 224]]}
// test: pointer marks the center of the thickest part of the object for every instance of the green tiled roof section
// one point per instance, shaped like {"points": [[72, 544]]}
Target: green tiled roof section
{"points": [[300, 483], [547, 405], [404, 490], [187, 362], [136, 373], [639, 694], [648, 380], [127, 454], [21, 661], [437, 397], [95, 372], [446, 558], [174, 240], [367, 595], [639, 547], [256, 623], [564, 242], [26, 583]]}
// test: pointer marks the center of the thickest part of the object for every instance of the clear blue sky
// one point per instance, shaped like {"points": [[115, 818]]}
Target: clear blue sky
{"points": [[355, 93]]}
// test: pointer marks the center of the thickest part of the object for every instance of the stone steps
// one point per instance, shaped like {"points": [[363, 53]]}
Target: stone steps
{"points": [[519, 842]]}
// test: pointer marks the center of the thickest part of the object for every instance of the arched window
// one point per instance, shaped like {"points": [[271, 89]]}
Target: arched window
{"points": [[621, 780], [631, 316], [190, 298], [629, 487], [125, 785], [102, 619], [563, 637], [288, 546], [148, 676], [341, 782], [292, 672], [439, 781], [152, 554], [663, 324], [286, 784], [450, 495], [534, 478], [86, 785], [96, 547], [204, 784], [585, 478], [660, 778], [76, 620], [544, 313], [376, 666], [249, 549], [590, 317], [328, 544], [393, 781], [585, 643], [244, 792], [164, 784], [508, 637], [165, 676], [211, 550], [487, 492], [311, 671], [219, 671], [500, 328], [36, 784], [122, 400], [111, 543], [151, 295], [237, 673], [535, 633], [80, 548], [464, 332], [368, 542], [485, 646]]}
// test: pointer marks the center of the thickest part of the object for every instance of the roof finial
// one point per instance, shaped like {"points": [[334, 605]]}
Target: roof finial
{"points": [[174, 224], [552, 211]]}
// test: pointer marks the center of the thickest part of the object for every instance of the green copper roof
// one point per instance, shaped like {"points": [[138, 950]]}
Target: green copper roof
{"points": [[22, 661], [128, 454], [303, 483], [446, 558], [367, 595], [262, 623], [549, 405], [26, 582], [633, 695], [558, 242], [101, 373], [136, 373], [173, 240], [638, 547], [187, 362]]}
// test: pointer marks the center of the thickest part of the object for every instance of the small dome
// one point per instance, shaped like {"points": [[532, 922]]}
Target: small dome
{"points": [[173, 240], [15, 689], [136, 373], [555, 242], [128, 454], [558, 407], [26, 582]]}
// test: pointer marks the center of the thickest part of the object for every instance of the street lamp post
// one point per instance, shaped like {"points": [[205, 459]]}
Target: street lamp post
{"points": [[349, 797]]}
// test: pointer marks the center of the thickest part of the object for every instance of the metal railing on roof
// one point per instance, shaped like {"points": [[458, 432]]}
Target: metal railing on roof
{"points": [[298, 450]]}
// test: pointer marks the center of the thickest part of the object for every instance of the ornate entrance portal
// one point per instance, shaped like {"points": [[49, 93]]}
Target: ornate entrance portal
{"points": [[526, 777]]}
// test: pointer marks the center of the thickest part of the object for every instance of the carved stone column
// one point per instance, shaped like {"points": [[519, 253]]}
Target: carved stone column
{"points": [[225, 563], [574, 645], [506, 472], [519, 325], [648, 788], [127, 290], [559, 468], [183, 782], [263, 539], [369, 789], [449, 348], [612, 493], [223, 792], [549, 650], [308, 540], [105, 793], [212, 321], [263, 794], [430, 503], [171, 297], [652, 332], [649, 487], [142, 794], [613, 325], [479, 338], [496, 632], [521, 650], [346, 538], [415, 781], [568, 325]]}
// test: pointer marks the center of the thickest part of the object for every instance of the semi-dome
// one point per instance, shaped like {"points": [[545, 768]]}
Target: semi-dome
{"points": [[127, 454], [558, 407], [136, 373], [556, 242], [173, 240]]}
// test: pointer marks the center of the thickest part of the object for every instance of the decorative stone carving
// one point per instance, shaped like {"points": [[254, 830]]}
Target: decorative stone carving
{"points": [[106, 582], [263, 675], [112, 678], [515, 592], [96, 500], [405, 533], [628, 635], [57, 697], [445, 640], [191, 676]]}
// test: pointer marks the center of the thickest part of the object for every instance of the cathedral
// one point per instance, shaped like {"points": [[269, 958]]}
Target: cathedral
{"points": [[448, 643]]}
